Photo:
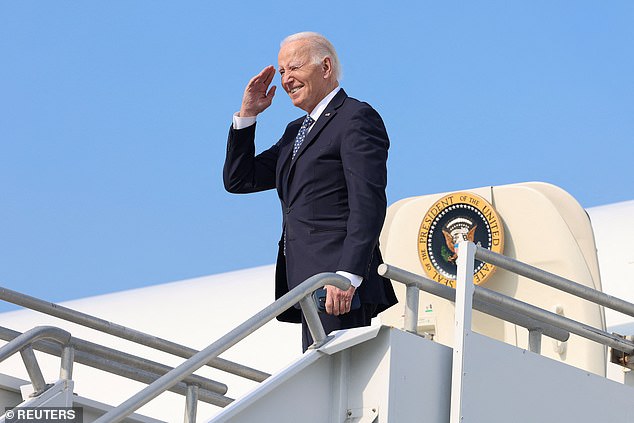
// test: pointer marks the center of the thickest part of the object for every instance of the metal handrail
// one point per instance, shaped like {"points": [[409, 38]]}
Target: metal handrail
{"points": [[550, 321], [123, 332], [299, 294], [554, 281], [486, 301], [129, 366], [23, 344], [29, 337]]}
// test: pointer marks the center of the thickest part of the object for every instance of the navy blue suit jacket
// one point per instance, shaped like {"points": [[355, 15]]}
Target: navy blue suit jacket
{"points": [[332, 195]]}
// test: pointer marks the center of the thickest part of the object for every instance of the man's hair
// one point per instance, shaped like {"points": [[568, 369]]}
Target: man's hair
{"points": [[320, 48]]}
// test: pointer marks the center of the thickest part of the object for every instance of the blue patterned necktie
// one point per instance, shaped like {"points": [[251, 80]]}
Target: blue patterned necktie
{"points": [[301, 135]]}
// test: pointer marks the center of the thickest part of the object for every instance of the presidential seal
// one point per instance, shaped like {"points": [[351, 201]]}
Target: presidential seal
{"points": [[461, 216]]}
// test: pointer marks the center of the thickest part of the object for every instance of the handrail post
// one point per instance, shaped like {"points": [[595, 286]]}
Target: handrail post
{"points": [[411, 308], [191, 404], [535, 340], [463, 314], [33, 369], [312, 320], [67, 361]]}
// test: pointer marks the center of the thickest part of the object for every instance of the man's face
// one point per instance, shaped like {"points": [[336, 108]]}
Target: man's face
{"points": [[305, 82]]}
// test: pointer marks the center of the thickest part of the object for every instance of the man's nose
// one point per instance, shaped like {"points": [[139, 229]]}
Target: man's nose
{"points": [[286, 79]]}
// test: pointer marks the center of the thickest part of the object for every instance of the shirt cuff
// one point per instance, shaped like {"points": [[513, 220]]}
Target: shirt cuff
{"points": [[355, 280], [242, 122]]}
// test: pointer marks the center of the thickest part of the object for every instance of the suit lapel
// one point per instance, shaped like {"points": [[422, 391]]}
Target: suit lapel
{"points": [[318, 126], [326, 116], [285, 158]]}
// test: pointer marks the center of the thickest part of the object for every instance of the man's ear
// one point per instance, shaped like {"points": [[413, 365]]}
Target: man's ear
{"points": [[326, 67]]}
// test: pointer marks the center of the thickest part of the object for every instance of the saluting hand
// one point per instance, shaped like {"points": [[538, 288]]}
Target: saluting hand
{"points": [[257, 95]]}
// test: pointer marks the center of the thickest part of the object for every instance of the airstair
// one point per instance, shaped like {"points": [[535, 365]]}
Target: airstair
{"points": [[373, 374]]}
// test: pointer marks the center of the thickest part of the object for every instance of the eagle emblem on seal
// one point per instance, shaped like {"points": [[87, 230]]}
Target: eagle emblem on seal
{"points": [[459, 229]]}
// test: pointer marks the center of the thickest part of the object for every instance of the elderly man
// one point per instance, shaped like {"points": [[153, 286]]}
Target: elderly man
{"points": [[329, 169]]}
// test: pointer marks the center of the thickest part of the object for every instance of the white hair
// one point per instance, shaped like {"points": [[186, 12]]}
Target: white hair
{"points": [[320, 48]]}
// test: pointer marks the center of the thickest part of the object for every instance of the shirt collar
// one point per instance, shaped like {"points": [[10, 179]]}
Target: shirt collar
{"points": [[319, 109]]}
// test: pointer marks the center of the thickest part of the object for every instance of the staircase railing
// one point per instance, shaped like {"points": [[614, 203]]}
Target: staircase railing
{"points": [[301, 294], [24, 345], [123, 332], [538, 322], [158, 376], [467, 296], [106, 359], [535, 319]]}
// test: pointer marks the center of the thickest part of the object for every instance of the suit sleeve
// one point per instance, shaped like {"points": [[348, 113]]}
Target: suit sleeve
{"points": [[244, 172], [364, 159]]}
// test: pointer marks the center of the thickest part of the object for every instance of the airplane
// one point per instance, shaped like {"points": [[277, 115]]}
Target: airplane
{"points": [[534, 223]]}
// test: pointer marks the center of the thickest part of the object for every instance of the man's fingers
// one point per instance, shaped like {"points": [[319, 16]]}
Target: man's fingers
{"points": [[269, 74], [257, 95], [332, 300], [329, 300], [335, 308], [262, 79], [338, 301], [271, 92], [347, 304], [266, 76]]}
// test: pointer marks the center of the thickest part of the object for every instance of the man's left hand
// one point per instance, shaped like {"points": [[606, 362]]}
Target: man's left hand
{"points": [[338, 301]]}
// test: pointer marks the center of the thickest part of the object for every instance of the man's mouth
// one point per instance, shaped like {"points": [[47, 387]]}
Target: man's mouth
{"points": [[294, 90]]}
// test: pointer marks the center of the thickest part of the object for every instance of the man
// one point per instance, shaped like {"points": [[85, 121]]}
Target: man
{"points": [[329, 169]]}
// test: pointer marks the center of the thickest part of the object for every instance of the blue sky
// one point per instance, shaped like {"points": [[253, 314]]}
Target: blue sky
{"points": [[114, 115]]}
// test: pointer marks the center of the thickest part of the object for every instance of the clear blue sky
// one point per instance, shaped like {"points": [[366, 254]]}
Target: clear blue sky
{"points": [[114, 115]]}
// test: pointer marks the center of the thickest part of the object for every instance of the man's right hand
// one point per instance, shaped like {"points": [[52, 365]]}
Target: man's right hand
{"points": [[257, 95]]}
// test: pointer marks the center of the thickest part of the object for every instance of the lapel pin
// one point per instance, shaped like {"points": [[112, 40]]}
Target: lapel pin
{"points": [[327, 114]]}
